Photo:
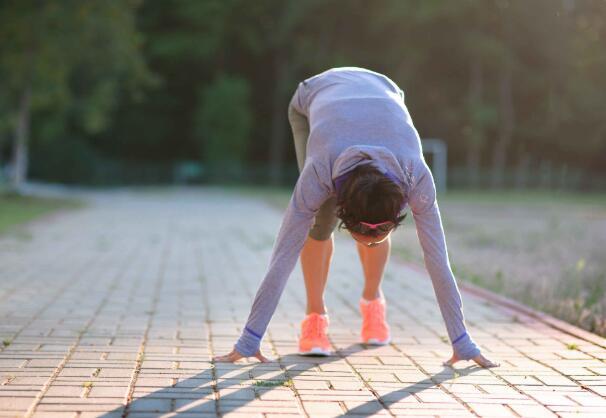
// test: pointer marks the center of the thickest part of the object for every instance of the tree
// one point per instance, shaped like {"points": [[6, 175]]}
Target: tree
{"points": [[46, 47], [223, 124]]}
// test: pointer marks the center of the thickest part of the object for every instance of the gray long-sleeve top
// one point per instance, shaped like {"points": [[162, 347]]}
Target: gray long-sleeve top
{"points": [[356, 117]]}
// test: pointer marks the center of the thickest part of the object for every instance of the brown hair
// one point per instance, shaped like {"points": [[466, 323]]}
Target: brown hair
{"points": [[367, 195]]}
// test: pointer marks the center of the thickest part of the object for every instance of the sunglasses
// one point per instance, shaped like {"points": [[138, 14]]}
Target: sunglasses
{"points": [[367, 228]]}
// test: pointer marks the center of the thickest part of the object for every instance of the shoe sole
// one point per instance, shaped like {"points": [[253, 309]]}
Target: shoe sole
{"points": [[374, 341], [316, 351]]}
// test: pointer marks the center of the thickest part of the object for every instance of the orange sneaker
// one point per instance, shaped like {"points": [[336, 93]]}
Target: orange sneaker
{"points": [[313, 340], [375, 330]]}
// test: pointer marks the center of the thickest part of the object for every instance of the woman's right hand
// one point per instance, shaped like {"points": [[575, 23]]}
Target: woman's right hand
{"points": [[235, 356]]}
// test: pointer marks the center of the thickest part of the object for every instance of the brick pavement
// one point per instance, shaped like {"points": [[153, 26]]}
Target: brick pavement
{"points": [[116, 309]]}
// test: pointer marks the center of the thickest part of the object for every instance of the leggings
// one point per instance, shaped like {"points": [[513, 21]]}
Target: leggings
{"points": [[326, 218]]}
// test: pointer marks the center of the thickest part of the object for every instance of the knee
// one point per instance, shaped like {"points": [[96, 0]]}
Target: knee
{"points": [[322, 229], [325, 220]]}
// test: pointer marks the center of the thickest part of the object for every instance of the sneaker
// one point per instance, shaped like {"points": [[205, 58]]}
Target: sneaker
{"points": [[313, 340], [375, 330]]}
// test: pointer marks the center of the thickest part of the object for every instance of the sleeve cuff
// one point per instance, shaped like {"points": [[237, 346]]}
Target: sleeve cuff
{"points": [[248, 344], [465, 348]]}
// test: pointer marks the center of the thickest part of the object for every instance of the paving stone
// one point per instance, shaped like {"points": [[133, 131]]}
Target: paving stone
{"points": [[15, 404], [492, 410], [199, 405], [150, 405], [323, 408], [57, 415], [532, 411]]}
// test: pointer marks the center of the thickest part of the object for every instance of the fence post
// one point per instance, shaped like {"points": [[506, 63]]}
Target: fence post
{"points": [[438, 149]]}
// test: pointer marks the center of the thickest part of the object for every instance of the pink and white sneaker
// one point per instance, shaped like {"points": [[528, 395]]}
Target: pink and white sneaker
{"points": [[313, 340], [375, 330]]}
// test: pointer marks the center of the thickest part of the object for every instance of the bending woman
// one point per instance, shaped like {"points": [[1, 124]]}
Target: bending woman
{"points": [[360, 161]]}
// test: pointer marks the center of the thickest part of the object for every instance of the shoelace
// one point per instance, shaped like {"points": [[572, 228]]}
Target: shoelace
{"points": [[375, 315], [313, 327]]}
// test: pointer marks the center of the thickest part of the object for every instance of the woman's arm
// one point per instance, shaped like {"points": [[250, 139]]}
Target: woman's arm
{"points": [[308, 196], [291, 238], [431, 237]]}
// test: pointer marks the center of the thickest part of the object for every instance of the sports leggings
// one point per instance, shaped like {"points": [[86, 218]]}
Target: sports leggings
{"points": [[326, 218]]}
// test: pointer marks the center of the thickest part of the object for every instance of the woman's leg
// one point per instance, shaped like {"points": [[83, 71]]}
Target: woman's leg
{"points": [[315, 263], [373, 261], [317, 254], [317, 250]]}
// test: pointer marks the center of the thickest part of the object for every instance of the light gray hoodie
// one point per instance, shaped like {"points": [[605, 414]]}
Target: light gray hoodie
{"points": [[356, 117]]}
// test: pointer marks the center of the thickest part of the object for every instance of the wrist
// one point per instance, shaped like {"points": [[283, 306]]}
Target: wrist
{"points": [[465, 348], [248, 344]]}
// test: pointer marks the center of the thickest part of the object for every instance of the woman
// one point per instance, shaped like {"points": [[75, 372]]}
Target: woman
{"points": [[360, 160]]}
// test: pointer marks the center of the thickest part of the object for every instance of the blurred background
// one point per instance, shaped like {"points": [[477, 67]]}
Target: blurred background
{"points": [[195, 91], [191, 92]]}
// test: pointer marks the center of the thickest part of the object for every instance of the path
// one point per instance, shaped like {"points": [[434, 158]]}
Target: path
{"points": [[125, 302]]}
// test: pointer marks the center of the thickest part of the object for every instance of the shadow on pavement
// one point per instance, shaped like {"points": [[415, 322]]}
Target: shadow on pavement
{"points": [[397, 395], [195, 395]]}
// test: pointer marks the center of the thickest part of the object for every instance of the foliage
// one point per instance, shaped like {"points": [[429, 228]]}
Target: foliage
{"points": [[504, 82], [223, 120], [75, 53], [63, 62], [15, 210]]}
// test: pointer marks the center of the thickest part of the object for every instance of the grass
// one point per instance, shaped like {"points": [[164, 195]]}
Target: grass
{"points": [[273, 383], [281, 195], [6, 342], [8, 380], [16, 210], [529, 197], [543, 249], [572, 346]]}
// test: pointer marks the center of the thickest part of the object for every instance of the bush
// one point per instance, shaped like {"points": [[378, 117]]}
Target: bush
{"points": [[222, 125], [67, 160]]}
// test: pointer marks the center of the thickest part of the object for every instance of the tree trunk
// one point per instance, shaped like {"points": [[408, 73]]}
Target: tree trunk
{"points": [[19, 160], [279, 127], [522, 170], [506, 124], [506, 110], [476, 133]]}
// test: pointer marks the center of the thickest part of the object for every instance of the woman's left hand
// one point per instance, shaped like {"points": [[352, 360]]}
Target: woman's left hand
{"points": [[479, 359], [235, 356]]}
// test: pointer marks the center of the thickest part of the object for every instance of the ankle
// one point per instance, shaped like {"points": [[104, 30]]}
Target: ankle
{"points": [[316, 310], [371, 296], [365, 301]]}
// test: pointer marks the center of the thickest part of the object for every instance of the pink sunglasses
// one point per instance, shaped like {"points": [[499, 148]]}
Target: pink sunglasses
{"points": [[366, 227]]}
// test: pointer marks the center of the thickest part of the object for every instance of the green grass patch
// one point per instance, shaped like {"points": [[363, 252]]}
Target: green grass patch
{"points": [[572, 346], [273, 383], [16, 210], [281, 195], [529, 197], [6, 343]]}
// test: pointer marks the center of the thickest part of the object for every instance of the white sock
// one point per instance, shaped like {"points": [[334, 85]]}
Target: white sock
{"points": [[366, 301]]}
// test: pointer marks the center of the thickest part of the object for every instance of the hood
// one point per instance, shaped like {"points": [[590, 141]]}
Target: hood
{"points": [[380, 157]]}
